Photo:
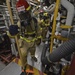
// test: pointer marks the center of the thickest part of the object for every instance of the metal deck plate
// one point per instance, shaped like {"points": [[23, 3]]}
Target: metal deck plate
{"points": [[14, 69], [11, 69], [2, 66]]}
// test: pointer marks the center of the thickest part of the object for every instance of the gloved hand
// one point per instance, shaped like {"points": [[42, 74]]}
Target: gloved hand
{"points": [[13, 30]]}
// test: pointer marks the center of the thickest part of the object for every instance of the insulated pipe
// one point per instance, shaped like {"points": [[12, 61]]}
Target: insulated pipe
{"points": [[64, 50], [70, 10]]}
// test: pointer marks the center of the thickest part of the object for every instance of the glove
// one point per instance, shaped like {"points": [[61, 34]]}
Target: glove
{"points": [[13, 30]]}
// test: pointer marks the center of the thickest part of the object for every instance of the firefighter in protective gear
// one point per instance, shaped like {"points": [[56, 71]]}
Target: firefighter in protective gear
{"points": [[44, 22], [29, 31]]}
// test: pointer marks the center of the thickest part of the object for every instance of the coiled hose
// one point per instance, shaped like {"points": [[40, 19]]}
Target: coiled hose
{"points": [[64, 50]]}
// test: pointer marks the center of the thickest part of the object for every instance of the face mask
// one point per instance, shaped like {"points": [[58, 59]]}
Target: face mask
{"points": [[23, 15]]}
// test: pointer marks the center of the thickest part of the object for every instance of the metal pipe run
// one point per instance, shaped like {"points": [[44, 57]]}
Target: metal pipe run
{"points": [[70, 9]]}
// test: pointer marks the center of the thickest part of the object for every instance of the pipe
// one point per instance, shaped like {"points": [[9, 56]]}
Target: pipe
{"points": [[70, 10], [51, 8], [4, 6], [10, 11], [54, 24], [64, 50]]}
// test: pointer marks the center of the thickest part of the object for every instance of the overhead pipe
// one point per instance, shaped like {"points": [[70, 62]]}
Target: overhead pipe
{"points": [[70, 9], [70, 15]]}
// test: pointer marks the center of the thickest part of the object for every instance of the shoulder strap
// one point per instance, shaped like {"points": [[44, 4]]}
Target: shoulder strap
{"points": [[35, 22]]}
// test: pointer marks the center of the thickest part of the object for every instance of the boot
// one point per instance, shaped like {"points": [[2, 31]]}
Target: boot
{"points": [[24, 70]]}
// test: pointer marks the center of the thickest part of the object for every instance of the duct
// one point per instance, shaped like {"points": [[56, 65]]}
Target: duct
{"points": [[70, 10], [64, 50]]}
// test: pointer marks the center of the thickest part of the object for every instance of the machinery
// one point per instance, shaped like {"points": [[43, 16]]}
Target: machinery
{"points": [[55, 20]]}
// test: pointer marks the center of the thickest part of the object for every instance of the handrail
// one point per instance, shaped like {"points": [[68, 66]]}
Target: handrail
{"points": [[54, 23]]}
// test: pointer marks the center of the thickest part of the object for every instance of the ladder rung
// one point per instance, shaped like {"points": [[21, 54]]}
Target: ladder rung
{"points": [[60, 37], [65, 26]]}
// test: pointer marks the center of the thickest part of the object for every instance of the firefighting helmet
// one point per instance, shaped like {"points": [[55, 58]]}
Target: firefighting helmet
{"points": [[22, 7]]}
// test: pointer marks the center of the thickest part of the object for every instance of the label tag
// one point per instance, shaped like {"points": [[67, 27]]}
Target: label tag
{"points": [[22, 8]]}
